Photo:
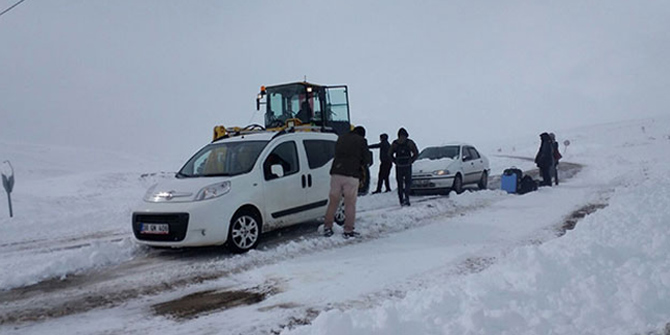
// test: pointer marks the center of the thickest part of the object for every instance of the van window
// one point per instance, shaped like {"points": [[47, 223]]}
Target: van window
{"points": [[223, 159], [286, 155], [319, 152]]}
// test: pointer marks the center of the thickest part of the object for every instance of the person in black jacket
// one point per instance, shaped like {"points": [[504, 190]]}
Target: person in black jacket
{"points": [[403, 153], [351, 156], [386, 163], [557, 156], [545, 159]]}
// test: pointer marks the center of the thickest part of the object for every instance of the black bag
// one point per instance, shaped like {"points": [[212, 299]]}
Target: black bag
{"points": [[403, 153], [527, 185]]}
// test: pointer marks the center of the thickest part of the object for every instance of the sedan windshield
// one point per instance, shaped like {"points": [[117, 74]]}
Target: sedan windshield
{"points": [[223, 159], [432, 153]]}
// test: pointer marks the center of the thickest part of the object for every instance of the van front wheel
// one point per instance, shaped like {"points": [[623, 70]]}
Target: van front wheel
{"points": [[244, 231]]}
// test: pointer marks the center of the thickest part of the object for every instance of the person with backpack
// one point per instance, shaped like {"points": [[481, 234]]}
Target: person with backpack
{"points": [[351, 155], [545, 159], [386, 163], [403, 153], [557, 156]]}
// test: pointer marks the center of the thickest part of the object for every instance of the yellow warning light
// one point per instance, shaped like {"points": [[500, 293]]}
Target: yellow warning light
{"points": [[219, 132]]}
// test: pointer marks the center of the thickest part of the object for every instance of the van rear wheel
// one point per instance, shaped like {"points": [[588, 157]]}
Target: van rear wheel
{"points": [[244, 231]]}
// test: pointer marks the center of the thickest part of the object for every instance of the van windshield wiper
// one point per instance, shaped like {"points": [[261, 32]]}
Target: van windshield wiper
{"points": [[217, 175]]}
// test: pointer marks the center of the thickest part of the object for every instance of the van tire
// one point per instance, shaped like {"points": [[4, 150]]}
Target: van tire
{"points": [[244, 231], [339, 213]]}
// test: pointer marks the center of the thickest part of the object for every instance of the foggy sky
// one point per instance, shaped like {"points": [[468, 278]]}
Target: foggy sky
{"points": [[154, 77]]}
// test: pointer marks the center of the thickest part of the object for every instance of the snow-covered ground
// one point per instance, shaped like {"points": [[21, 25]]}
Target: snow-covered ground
{"points": [[478, 263]]}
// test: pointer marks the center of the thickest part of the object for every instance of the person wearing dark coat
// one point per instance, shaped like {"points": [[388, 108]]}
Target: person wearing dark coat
{"points": [[386, 163], [351, 155], [545, 159], [557, 156], [403, 153]]}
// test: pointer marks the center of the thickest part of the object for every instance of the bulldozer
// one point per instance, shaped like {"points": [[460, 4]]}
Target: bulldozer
{"points": [[302, 106], [325, 108]]}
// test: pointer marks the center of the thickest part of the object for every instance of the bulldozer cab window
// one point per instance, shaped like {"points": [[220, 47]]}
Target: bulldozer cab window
{"points": [[337, 109], [292, 102], [278, 111]]}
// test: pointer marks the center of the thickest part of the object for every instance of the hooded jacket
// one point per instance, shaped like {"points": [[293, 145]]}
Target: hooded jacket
{"points": [[545, 156]]}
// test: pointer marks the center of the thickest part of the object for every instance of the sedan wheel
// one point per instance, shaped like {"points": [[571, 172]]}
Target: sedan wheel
{"points": [[458, 184], [245, 230], [484, 181]]}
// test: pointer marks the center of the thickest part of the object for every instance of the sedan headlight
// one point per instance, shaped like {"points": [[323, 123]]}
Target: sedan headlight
{"points": [[213, 191], [441, 172]]}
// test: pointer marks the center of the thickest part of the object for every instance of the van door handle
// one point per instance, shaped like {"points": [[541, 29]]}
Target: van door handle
{"points": [[309, 180], [303, 181]]}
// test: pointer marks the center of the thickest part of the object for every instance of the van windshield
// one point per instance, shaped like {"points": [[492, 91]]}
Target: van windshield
{"points": [[432, 153], [223, 159]]}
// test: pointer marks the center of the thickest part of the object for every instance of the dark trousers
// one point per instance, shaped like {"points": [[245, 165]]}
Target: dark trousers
{"points": [[555, 172], [545, 172], [384, 172], [403, 175]]}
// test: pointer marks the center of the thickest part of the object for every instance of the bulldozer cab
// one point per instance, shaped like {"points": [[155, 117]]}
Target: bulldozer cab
{"points": [[325, 107]]}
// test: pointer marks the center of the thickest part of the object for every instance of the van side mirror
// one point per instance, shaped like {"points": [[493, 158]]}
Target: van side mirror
{"points": [[277, 170]]}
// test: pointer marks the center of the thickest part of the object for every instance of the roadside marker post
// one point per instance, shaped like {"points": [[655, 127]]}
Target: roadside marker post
{"points": [[8, 183]]}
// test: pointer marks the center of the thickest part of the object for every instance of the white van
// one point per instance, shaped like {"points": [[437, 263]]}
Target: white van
{"points": [[237, 187]]}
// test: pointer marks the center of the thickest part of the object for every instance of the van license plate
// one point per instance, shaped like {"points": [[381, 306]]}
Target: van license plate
{"points": [[155, 228]]}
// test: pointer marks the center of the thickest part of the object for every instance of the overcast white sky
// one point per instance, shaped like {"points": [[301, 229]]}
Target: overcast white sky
{"points": [[156, 76]]}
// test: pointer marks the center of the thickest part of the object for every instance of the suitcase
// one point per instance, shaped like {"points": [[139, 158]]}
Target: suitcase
{"points": [[510, 180]]}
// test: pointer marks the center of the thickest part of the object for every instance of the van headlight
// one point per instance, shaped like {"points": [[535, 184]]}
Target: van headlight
{"points": [[441, 172], [213, 191], [149, 195]]}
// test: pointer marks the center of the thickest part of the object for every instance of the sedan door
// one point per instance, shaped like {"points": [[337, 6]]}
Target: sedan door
{"points": [[475, 164]]}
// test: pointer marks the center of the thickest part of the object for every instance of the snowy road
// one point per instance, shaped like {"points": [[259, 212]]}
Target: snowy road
{"points": [[277, 284], [477, 263]]}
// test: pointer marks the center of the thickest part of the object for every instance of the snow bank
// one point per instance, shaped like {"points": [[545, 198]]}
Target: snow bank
{"points": [[611, 275]]}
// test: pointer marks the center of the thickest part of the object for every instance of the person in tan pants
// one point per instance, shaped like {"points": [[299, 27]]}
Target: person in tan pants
{"points": [[351, 154], [347, 187]]}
